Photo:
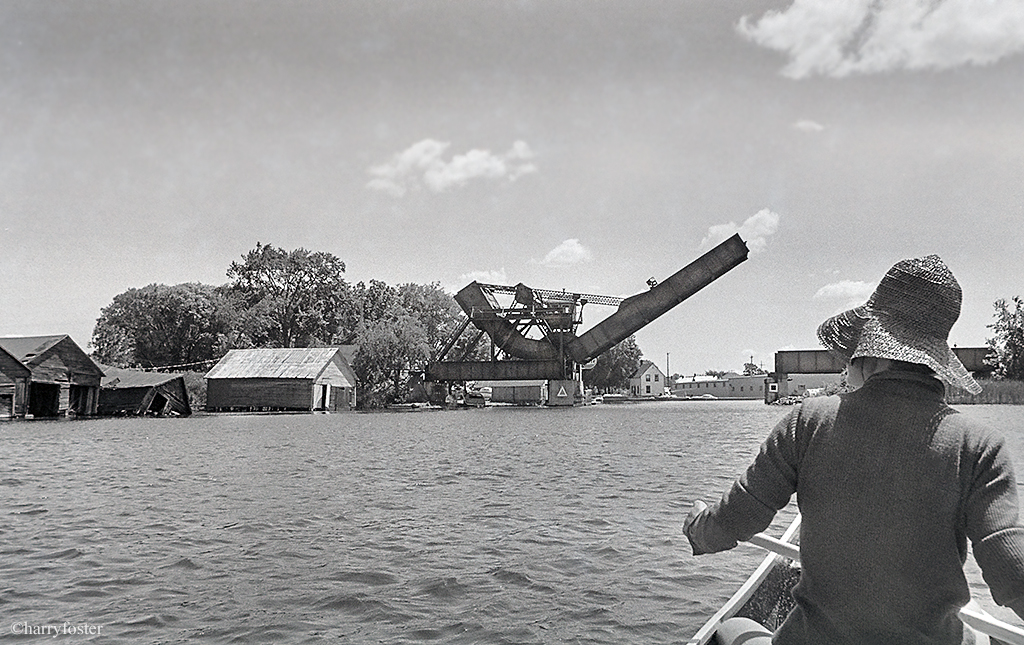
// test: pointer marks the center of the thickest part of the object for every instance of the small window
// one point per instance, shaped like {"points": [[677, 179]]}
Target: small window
{"points": [[648, 378], [657, 377], [648, 389]]}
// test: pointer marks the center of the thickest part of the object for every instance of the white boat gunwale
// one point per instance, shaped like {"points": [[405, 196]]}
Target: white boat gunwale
{"points": [[743, 594], [972, 614]]}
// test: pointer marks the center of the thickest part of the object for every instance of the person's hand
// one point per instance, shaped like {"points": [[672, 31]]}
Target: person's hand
{"points": [[697, 508]]}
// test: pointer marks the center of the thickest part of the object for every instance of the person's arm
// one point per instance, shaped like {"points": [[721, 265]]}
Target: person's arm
{"points": [[993, 524], [750, 504]]}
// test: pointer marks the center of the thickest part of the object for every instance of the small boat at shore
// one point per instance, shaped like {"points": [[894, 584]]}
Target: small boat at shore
{"points": [[765, 596]]}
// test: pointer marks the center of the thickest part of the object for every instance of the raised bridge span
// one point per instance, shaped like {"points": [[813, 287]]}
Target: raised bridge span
{"points": [[822, 361]]}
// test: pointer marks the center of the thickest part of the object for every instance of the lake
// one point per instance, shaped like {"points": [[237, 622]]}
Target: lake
{"points": [[491, 525]]}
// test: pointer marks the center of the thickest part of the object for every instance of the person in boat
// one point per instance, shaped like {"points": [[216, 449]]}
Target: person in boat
{"points": [[891, 483]]}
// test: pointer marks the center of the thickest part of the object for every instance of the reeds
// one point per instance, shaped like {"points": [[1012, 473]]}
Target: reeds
{"points": [[992, 391]]}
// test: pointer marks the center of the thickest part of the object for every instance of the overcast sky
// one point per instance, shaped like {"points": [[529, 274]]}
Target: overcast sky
{"points": [[563, 144]]}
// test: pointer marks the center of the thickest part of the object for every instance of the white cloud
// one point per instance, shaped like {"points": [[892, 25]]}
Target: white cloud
{"points": [[870, 36], [483, 277], [755, 231], [567, 253], [806, 125], [422, 165], [851, 293], [846, 289]]}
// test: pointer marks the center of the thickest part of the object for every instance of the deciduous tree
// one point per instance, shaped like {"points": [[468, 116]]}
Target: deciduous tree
{"points": [[1008, 343], [162, 325], [614, 367], [291, 298], [388, 349]]}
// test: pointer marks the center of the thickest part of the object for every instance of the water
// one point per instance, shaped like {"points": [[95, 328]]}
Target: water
{"points": [[496, 525]]}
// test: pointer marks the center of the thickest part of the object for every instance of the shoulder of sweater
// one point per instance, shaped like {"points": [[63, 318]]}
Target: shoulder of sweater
{"points": [[819, 406], [975, 434]]}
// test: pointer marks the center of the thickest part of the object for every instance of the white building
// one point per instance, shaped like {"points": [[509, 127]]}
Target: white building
{"points": [[648, 380], [729, 386]]}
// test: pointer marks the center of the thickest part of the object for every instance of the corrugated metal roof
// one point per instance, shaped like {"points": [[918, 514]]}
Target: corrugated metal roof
{"points": [[117, 378], [294, 362]]}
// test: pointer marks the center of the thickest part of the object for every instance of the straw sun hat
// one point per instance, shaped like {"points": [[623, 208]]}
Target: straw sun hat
{"points": [[907, 318]]}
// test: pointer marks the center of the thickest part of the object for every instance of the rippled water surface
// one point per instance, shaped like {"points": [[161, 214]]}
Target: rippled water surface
{"points": [[495, 525]]}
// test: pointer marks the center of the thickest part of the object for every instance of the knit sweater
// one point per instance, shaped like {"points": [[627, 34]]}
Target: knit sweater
{"points": [[891, 483]]}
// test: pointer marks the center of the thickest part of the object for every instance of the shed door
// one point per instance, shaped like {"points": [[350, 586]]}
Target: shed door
{"points": [[44, 399]]}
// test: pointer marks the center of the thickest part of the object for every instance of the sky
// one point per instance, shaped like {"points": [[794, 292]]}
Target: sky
{"points": [[586, 146]]}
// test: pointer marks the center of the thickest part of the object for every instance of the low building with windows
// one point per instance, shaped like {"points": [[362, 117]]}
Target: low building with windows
{"points": [[728, 386], [648, 380]]}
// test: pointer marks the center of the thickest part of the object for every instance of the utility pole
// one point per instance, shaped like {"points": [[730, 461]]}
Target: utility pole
{"points": [[668, 375]]}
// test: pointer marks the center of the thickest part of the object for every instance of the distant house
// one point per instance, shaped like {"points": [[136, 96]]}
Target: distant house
{"points": [[14, 380], [63, 380], [296, 379], [648, 380], [134, 392]]}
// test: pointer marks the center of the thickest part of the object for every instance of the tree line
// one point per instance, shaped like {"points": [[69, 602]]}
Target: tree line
{"points": [[299, 298]]}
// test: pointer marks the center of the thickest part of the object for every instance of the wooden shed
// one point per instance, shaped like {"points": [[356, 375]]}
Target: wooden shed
{"points": [[136, 393], [14, 380], [294, 379], [63, 380]]}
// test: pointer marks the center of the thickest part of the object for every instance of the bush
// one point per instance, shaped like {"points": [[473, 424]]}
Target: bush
{"points": [[195, 385]]}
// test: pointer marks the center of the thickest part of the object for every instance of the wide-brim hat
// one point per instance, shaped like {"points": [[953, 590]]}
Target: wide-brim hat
{"points": [[907, 318]]}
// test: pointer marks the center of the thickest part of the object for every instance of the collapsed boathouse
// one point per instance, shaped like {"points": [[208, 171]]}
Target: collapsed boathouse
{"points": [[62, 379], [134, 392], [288, 379]]}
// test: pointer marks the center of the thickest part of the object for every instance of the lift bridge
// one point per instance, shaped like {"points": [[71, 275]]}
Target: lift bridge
{"points": [[534, 337]]}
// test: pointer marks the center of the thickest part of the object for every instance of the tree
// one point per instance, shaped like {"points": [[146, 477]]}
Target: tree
{"points": [[434, 308], [1008, 343], [291, 298], [396, 330], [750, 369], [388, 350], [162, 325], [614, 367]]}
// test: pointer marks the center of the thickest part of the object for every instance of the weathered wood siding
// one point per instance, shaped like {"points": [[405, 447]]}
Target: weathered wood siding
{"points": [[13, 379], [66, 363], [171, 397], [340, 393], [259, 393]]}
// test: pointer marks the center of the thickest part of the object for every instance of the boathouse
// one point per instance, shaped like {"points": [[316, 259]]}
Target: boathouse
{"points": [[136, 393], [63, 380], [288, 379], [14, 379]]}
